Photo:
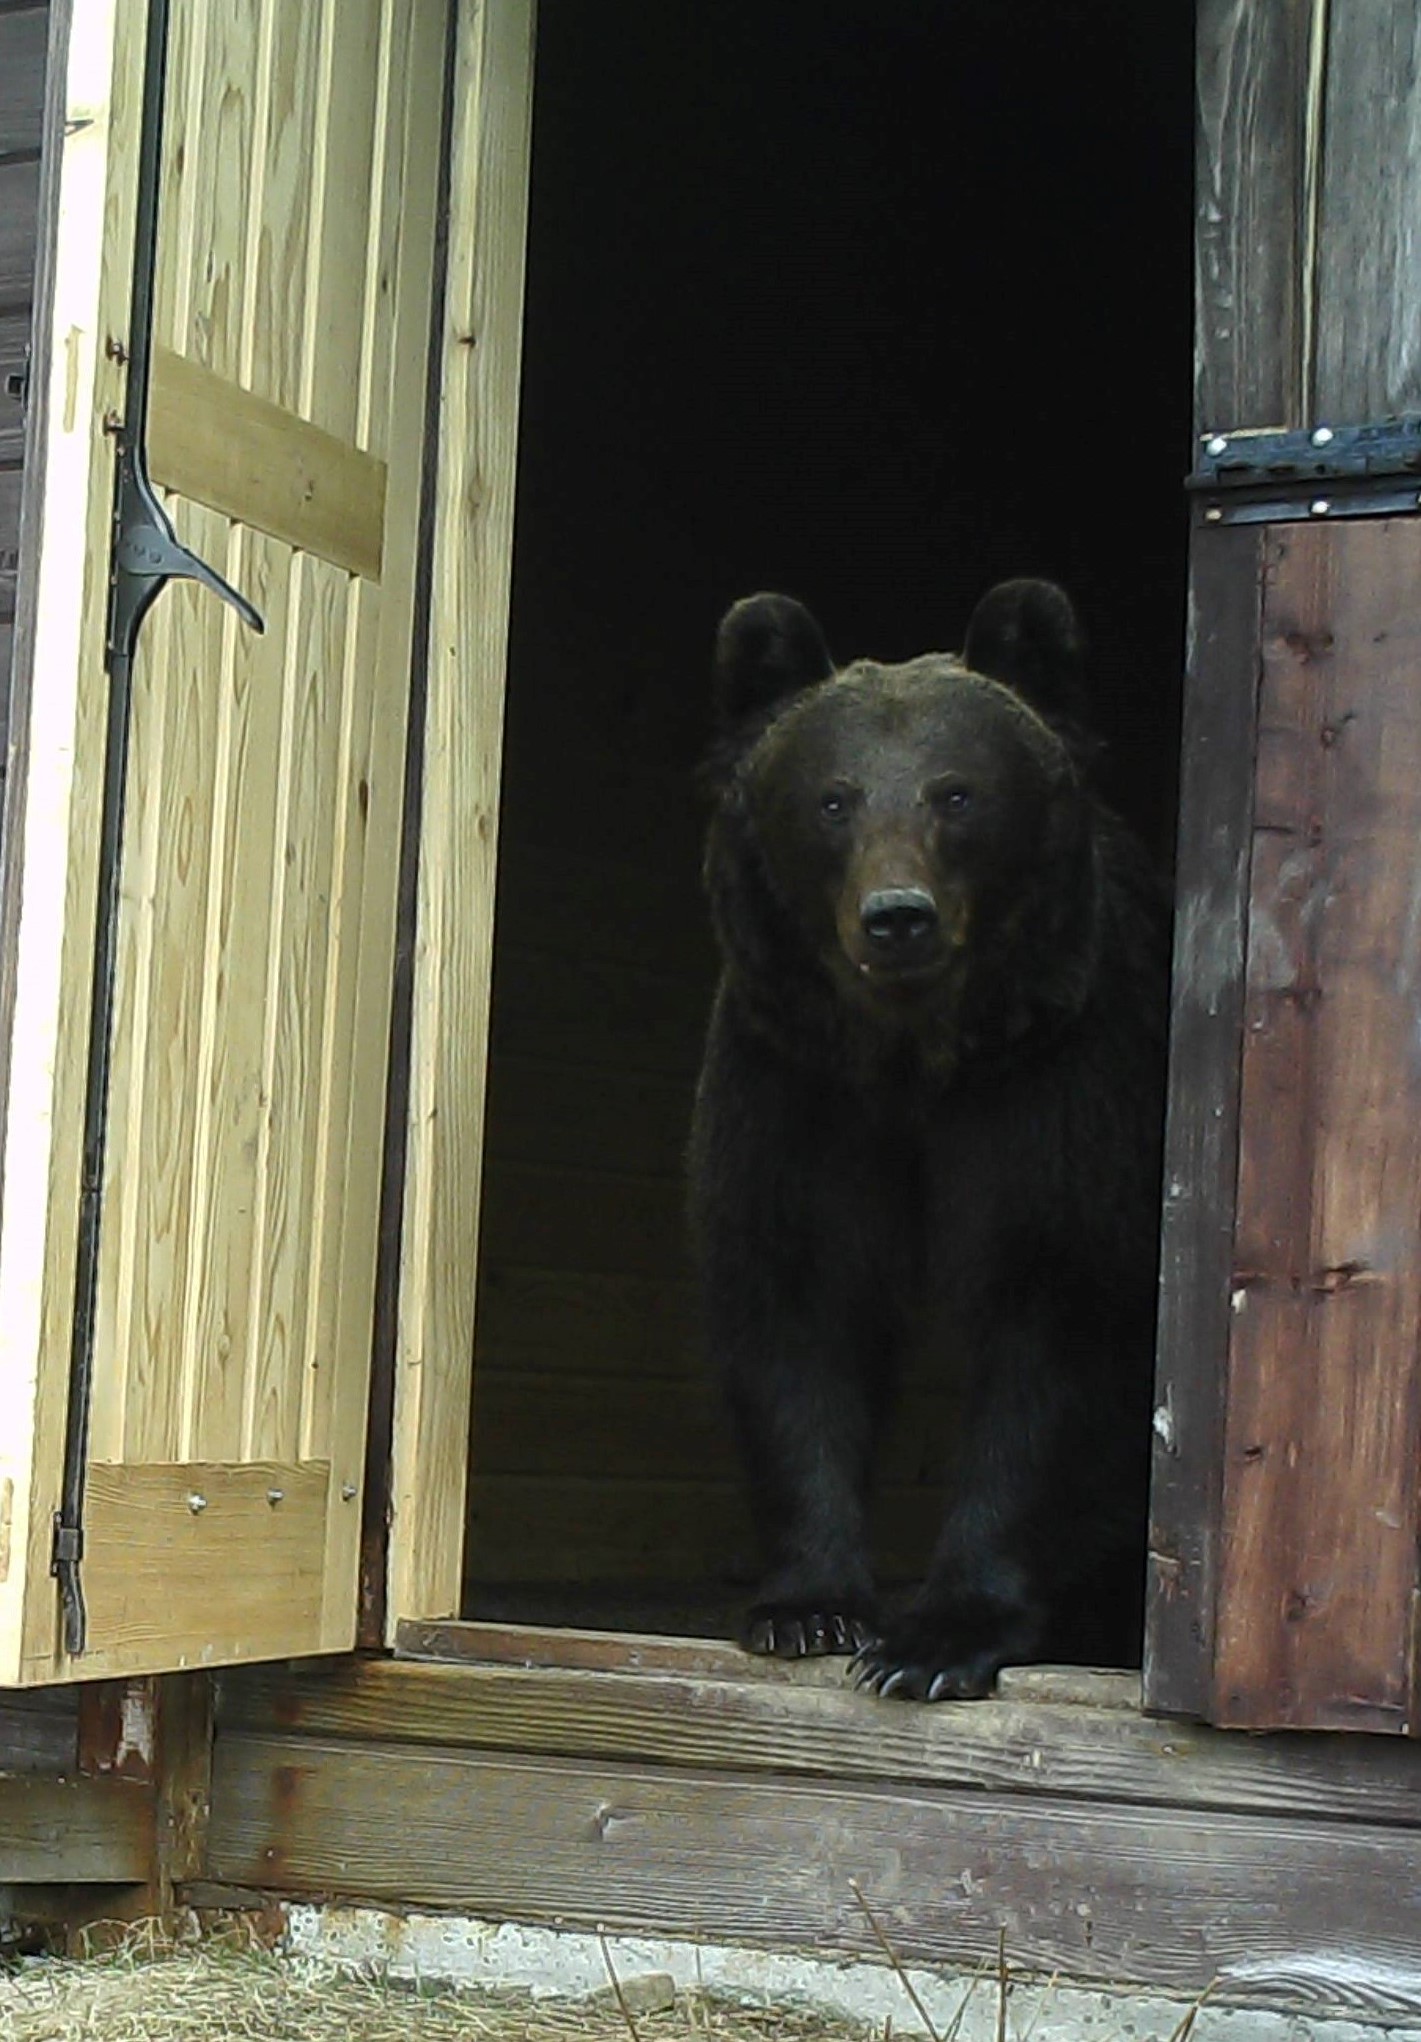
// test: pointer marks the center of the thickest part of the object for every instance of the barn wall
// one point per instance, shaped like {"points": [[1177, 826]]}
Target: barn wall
{"points": [[23, 34]]}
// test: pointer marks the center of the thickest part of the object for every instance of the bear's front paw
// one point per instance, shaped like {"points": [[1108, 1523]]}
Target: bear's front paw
{"points": [[949, 1652], [794, 1630]]}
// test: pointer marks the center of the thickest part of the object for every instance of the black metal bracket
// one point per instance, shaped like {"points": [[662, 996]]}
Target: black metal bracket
{"points": [[146, 554], [1345, 471]]}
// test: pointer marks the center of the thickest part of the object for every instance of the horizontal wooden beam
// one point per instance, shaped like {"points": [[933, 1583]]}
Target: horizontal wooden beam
{"points": [[222, 446], [199, 1563], [781, 1726], [74, 1831], [1177, 1902]]}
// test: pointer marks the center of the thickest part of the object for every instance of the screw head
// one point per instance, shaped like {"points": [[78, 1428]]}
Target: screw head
{"points": [[196, 1504], [275, 1496], [347, 1492], [1217, 443], [1322, 436], [1319, 507], [1213, 515]]}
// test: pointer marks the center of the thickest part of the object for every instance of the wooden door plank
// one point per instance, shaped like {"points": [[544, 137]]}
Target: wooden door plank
{"points": [[19, 228], [1368, 360], [234, 1087], [276, 347], [1243, 1903], [1201, 1135], [479, 352], [24, 39], [1251, 72], [348, 143], [1319, 1584], [298, 963]]}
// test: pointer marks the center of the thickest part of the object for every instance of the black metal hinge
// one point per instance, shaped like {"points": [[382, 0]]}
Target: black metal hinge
{"points": [[17, 384], [1345, 471], [146, 554]]}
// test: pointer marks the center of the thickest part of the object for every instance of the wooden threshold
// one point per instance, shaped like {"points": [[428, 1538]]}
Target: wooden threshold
{"points": [[701, 1718], [463, 1642]]}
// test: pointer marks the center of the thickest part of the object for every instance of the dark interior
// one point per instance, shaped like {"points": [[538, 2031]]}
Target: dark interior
{"points": [[873, 303]]}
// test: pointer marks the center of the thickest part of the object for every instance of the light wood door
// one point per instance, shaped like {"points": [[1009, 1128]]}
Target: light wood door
{"points": [[257, 923]]}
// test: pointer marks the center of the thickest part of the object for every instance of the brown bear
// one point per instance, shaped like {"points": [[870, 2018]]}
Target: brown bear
{"points": [[930, 1115]]}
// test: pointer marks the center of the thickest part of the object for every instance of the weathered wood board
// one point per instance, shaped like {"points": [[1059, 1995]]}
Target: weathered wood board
{"points": [[703, 1706], [1201, 1135], [1249, 1904], [1319, 1582]]}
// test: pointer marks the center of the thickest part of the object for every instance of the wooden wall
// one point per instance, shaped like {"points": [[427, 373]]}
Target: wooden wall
{"points": [[23, 33], [1308, 172], [598, 1452]]}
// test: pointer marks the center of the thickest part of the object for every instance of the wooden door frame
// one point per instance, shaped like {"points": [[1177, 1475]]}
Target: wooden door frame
{"points": [[82, 276], [418, 1470]]}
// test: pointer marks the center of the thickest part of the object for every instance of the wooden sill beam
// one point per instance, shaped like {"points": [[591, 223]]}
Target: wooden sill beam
{"points": [[773, 1730]]}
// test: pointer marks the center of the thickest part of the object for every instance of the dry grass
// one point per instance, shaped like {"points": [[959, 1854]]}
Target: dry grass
{"points": [[150, 1991]]}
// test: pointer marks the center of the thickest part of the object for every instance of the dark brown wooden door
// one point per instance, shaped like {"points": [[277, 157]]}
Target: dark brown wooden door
{"points": [[1285, 1577], [1284, 1582]]}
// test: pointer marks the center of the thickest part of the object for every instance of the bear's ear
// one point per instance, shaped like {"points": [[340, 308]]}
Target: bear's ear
{"points": [[767, 649], [1026, 635]]}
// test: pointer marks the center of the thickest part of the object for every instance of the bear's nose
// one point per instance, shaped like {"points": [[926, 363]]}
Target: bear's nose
{"points": [[898, 915]]}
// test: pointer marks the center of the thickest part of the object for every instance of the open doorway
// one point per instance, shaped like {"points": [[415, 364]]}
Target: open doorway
{"points": [[874, 305]]}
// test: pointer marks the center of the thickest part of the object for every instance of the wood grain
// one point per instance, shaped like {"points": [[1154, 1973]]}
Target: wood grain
{"points": [[235, 1084], [39, 1732], [696, 1704], [223, 446], [1368, 349], [1256, 1904], [1201, 1134], [19, 229], [1322, 1494], [478, 370], [1251, 83], [24, 37], [155, 1559], [184, 1787], [62, 1831]]}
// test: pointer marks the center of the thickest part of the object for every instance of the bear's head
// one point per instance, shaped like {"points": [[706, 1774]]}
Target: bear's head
{"points": [[904, 850]]}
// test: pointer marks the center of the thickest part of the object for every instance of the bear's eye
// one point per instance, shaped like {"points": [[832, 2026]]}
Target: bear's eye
{"points": [[950, 800], [836, 804]]}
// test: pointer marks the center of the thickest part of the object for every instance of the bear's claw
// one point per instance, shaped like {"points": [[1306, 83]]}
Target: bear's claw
{"points": [[949, 1652], [879, 1672], [786, 1631]]}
